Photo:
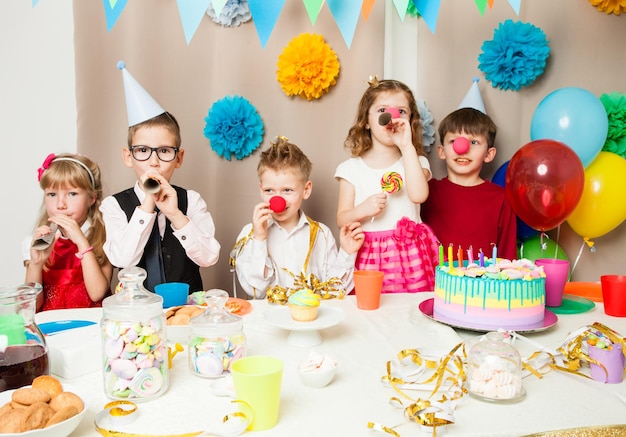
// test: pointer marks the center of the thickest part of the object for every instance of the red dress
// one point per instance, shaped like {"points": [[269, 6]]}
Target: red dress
{"points": [[63, 282]]}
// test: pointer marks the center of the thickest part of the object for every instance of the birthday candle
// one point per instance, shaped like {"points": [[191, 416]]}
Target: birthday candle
{"points": [[470, 255], [450, 257], [481, 258], [459, 254], [495, 254], [441, 255]]}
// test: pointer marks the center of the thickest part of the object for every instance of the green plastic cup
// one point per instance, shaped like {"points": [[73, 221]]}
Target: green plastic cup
{"points": [[257, 380]]}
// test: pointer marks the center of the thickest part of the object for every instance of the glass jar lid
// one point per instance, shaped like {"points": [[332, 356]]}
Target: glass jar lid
{"points": [[216, 313], [132, 299]]}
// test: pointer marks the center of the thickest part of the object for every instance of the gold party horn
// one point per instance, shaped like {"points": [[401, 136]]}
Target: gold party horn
{"points": [[151, 186]]}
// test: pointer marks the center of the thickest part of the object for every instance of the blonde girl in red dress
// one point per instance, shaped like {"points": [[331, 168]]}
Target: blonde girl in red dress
{"points": [[73, 270]]}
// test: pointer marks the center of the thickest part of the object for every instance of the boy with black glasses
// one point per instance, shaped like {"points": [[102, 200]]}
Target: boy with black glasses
{"points": [[167, 231]]}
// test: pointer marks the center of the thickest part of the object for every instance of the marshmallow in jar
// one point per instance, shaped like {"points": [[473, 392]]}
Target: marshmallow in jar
{"points": [[216, 338], [134, 341], [494, 369]]}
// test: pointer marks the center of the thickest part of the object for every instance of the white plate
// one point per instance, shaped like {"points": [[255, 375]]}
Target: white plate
{"points": [[304, 333], [326, 317], [62, 429]]}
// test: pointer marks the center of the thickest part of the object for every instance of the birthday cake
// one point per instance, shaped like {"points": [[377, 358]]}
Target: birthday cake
{"points": [[505, 295]]}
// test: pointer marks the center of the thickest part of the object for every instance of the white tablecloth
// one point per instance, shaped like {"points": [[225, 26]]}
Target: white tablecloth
{"points": [[362, 344]]}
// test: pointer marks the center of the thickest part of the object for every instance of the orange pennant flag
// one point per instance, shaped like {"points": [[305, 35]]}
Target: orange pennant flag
{"points": [[490, 3], [366, 8]]}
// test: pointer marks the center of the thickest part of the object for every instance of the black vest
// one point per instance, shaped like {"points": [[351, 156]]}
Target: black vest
{"points": [[178, 267]]}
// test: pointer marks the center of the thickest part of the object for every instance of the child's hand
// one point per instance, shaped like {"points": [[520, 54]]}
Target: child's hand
{"points": [[374, 204], [351, 237], [401, 133], [39, 257], [260, 216], [70, 229], [166, 199]]}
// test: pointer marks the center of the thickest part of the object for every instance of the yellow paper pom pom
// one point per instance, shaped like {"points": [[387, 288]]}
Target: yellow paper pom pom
{"points": [[609, 6], [307, 67]]}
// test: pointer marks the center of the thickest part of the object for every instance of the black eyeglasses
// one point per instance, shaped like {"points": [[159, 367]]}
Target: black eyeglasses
{"points": [[164, 153]]}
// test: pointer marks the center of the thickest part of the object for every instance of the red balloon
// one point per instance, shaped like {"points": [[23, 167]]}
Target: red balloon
{"points": [[544, 182]]}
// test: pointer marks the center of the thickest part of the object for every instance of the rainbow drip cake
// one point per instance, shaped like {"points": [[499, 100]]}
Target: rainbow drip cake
{"points": [[506, 295]]}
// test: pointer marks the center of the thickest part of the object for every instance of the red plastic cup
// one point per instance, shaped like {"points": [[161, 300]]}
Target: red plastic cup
{"points": [[614, 294]]}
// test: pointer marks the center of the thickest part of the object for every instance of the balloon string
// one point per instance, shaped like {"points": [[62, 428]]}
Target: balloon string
{"points": [[580, 252], [556, 246]]}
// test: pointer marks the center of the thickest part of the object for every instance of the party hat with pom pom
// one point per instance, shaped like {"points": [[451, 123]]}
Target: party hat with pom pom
{"points": [[473, 99], [140, 106]]}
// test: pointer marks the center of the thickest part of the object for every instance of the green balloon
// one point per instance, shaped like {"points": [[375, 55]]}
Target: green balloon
{"points": [[532, 249]]}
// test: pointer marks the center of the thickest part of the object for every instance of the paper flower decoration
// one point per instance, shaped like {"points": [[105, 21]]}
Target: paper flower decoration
{"points": [[234, 13], [609, 6], [515, 56], [307, 67], [428, 130], [233, 127], [615, 106]]}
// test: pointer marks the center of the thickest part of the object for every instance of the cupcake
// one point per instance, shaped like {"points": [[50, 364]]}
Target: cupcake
{"points": [[303, 305]]}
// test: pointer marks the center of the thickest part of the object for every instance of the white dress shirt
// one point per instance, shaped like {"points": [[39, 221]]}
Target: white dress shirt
{"points": [[288, 250], [126, 240]]}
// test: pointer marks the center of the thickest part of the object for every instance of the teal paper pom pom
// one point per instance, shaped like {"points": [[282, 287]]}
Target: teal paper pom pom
{"points": [[515, 56], [233, 127]]}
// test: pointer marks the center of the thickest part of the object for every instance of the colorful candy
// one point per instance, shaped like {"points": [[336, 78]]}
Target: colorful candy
{"points": [[136, 365], [211, 357], [391, 182]]}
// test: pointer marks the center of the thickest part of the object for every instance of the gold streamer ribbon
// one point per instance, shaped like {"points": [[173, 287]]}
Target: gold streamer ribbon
{"points": [[450, 372], [120, 413]]}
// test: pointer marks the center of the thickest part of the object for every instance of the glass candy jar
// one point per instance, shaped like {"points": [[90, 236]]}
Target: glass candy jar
{"points": [[494, 369], [23, 349], [216, 338], [134, 341]]}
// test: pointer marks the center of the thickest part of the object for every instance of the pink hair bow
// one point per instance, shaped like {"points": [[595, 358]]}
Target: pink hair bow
{"points": [[45, 165]]}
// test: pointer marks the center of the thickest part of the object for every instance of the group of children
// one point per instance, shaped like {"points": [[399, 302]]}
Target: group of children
{"points": [[171, 234]]}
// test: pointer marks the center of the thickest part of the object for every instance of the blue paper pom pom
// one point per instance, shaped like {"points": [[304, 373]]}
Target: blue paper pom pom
{"points": [[515, 56], [121, 65], [233, 127]]}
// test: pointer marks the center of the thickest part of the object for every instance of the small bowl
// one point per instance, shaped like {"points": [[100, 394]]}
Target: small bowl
{"points": [[317, 378], [180, 333]]}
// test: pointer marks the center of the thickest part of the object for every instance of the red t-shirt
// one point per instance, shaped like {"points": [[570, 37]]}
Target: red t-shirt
{"points": [[477, 216]]}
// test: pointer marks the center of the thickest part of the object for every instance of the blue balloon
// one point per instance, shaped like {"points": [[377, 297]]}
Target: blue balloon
{"points": [[575, 117], [524, 232]]}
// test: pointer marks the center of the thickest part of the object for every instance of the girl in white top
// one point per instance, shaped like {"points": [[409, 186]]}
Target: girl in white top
{"points": [[383, 185]]}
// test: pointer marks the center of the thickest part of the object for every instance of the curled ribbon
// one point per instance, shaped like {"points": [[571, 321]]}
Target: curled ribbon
{"points": [[326, 289], [120, 413]]}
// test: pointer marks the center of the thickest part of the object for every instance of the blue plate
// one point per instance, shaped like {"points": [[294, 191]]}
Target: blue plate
{"points": [[50, 328]]}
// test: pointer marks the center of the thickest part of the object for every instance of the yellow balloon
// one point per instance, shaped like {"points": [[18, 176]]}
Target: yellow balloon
{"points": [[602, 206]]}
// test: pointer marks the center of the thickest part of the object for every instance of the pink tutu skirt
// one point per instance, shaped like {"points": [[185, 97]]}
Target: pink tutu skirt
{"points": [[406, 255]]}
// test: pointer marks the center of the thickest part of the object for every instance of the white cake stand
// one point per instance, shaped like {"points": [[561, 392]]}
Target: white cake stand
{"points": [[304, 334]]}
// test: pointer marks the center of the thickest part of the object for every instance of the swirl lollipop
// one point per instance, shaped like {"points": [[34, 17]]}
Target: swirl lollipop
{"points": [[391, 182]]}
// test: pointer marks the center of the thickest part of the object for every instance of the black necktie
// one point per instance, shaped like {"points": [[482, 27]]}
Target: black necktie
{"points": [[154, 260]]}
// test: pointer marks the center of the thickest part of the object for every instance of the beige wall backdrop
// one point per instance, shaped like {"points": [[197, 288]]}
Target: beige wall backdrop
{"points": [[586, 51]]}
